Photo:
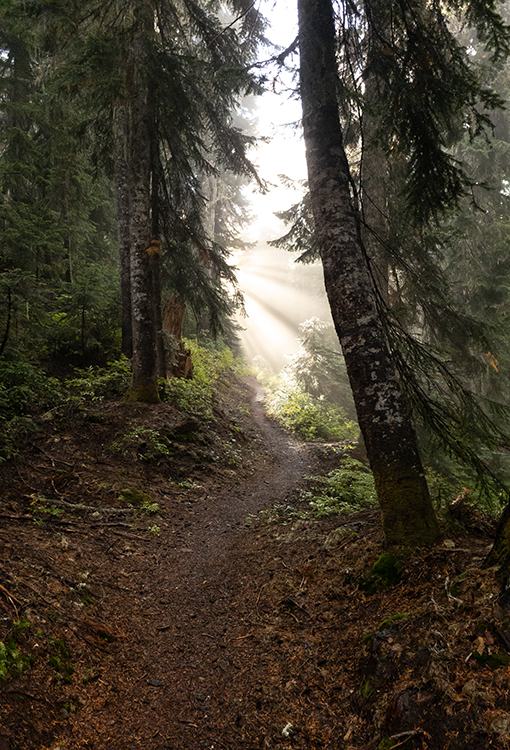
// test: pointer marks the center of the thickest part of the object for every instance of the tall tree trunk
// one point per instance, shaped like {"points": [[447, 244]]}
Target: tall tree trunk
{"points": [[144, 385], [407, 514], [156, 259], [121, 141]]}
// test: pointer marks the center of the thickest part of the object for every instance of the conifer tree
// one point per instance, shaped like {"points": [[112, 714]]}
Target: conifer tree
{"points": [[407, 514], [174, 106], [54, 215], [420, 93]]}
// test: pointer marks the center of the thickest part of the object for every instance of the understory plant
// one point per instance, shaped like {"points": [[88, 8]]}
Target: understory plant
{"points": [[345, 490], [309, 417], [25, 391], [99, 383], [197, 395]]}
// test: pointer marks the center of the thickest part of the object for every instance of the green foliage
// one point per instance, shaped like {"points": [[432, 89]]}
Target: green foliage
{"points": [[197, 395], [191, 396], [309, 417], [26, 389], [450, 480], [318, 368], [280, 513], [385, 573], [60, 659], [345, 490], [12, 660], [46, 507], [97, 383], [147, 443], [140, 500], [304, 396]]}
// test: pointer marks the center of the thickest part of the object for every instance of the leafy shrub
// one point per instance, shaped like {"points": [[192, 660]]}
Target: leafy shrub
{"points": [[318, 367], [26, 389], [192, 396], [98, 383], [197, 396], [343, 490], [309, 417], [148, 444]]}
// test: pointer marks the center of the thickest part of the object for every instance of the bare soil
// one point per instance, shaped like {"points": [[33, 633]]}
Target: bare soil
{"points": [[213, 621]]}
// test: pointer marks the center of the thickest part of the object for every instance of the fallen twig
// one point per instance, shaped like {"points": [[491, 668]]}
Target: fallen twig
{"points": [[11, 598], [406, 736], [77, 506], [60, 460]]}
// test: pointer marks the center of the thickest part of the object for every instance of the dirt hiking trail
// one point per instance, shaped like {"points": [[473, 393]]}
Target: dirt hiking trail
{"points": [[163, 604]]}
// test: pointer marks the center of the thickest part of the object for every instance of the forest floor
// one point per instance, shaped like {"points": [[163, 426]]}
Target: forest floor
{"points": [[181, 596]]}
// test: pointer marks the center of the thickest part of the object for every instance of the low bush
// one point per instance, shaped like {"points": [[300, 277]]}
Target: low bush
{"points": [[345, 490], [97, 383], [197, 396], [309, 417]]}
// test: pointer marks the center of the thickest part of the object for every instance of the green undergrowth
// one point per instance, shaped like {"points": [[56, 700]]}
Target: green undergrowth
{"points": [[345, 490], [308, 396], [99, 383], [146, 443], [197, 396], [348, 489], [13, 661], [309, 417], [25, 390]]}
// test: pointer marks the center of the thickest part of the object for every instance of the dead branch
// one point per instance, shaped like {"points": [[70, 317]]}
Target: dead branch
{"points": [[57, 502]]}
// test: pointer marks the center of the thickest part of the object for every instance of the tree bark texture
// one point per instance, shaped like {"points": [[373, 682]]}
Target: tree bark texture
{"points": [[407, 514], [121, 141], [179, 364], [144, 386]]}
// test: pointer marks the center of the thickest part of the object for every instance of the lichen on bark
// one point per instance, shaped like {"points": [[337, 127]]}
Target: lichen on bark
{"points": [[407, 513]]}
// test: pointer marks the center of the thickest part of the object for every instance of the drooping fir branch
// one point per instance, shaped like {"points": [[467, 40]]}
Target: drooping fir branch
{"points": [[460, 420]]}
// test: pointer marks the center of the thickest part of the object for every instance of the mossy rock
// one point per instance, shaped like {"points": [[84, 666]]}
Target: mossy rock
{"points": [[385, 573], [136, 498]]}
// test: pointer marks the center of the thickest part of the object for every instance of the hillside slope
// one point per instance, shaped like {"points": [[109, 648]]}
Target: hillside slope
{"points": [[162, 604]]}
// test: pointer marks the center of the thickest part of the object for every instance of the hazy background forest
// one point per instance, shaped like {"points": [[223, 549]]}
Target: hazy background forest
{"points": [[221, 90]]}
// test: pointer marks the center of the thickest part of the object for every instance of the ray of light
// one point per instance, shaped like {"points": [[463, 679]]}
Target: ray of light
{"points": [[278, 297]]}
